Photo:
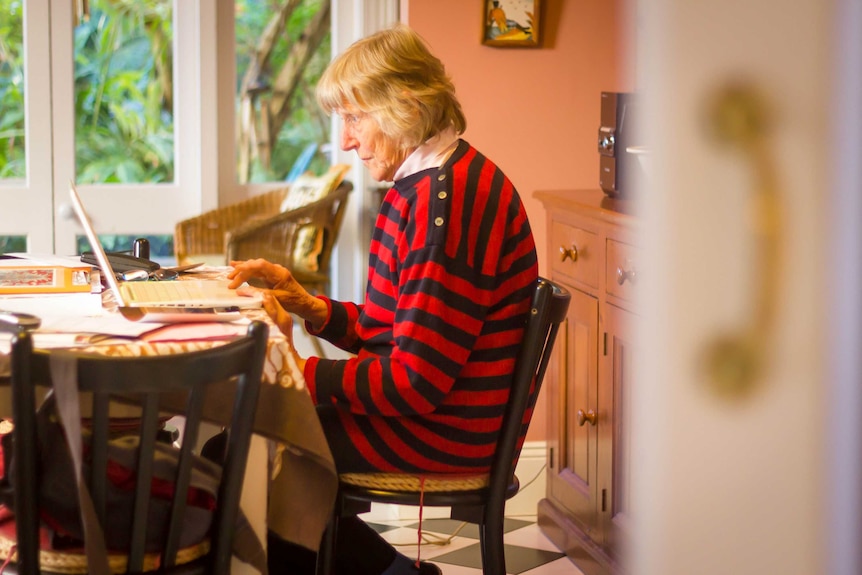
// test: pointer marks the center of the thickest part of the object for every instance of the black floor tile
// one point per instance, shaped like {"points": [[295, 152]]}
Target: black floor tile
{"points": [[381, 528], [518, 559]]}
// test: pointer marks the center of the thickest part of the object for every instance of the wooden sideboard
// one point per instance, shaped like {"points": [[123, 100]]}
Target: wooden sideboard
{"points": [[592, 251]]}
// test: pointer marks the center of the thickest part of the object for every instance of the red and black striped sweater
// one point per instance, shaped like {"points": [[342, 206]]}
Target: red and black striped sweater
{"points": [[452, 268]]}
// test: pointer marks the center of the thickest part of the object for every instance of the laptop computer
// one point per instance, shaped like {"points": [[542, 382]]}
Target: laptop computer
{"points": [[164, 301]]}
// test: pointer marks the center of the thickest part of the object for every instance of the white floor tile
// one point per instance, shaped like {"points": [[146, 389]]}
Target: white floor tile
{"points": [[530, 536], [458, 570]]}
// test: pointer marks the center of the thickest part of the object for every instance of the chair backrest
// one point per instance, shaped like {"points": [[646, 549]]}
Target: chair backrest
{"points": [[329, 229], [283, 238], [548, 309], [142, 382]]}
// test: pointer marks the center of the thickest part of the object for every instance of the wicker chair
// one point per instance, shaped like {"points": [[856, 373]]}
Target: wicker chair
{"points": [[300, 239]]}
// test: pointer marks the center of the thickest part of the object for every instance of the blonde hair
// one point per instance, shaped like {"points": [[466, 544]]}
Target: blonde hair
{"points": [[393, 77]]}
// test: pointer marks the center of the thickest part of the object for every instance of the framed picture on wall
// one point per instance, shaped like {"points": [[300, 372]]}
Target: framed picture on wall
{"points": [[511, 22]]}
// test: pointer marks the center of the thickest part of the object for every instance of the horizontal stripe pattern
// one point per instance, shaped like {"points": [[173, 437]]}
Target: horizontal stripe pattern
{"points": [[452, 268]]}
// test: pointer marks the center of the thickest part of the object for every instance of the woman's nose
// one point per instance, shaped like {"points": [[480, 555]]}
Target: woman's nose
{"points": [[348, 142]]}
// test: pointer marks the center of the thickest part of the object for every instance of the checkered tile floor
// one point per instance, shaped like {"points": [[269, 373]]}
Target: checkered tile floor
{"points": [[528, 551]]}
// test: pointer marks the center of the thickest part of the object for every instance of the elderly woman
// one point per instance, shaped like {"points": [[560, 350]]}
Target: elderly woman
{"points": [[450, 274]]}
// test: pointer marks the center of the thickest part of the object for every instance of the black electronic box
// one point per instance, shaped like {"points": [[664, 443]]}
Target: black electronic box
{"points": [[616, 134]]}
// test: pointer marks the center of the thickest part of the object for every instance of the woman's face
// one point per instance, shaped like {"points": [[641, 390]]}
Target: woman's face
{"points": [[362, 133]]}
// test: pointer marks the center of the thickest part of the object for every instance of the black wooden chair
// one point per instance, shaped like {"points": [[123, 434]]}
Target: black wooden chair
{"points": [[479, 499], [141, 382]]}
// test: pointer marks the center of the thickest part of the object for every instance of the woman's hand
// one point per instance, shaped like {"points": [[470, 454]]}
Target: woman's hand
{"points": [[284, 321], [281, 284], [273, 275], [279, 316]]}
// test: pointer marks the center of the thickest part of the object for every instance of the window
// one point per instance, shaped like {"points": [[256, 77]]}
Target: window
{"points": [[123, 92], [145, 152], [281, 51]]}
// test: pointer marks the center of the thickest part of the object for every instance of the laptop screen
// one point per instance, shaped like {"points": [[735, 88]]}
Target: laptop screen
{"points": [[96, 245]]}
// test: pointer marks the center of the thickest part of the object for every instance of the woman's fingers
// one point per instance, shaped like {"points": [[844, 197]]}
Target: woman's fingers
{"points": [[247, 290], [279, 316], [274, 275], [244, 270]]}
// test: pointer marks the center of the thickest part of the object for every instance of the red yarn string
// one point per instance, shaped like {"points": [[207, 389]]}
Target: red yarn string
{"points": [[8, 558], [419, 531]]}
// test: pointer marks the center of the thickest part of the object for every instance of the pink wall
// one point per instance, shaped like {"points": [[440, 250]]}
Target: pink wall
{"points": [[533, 111]]}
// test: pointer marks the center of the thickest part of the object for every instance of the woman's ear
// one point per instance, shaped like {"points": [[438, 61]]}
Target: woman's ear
{"points": [[416, 119]]}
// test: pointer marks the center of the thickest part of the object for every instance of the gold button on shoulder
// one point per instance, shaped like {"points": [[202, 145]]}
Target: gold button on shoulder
{"points": [[438, 221]]}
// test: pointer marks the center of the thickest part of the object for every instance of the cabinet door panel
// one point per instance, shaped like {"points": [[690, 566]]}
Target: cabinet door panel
{"points": [[616, 379], [572, 482]]}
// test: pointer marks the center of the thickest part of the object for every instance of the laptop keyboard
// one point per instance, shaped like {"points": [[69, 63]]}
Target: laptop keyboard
{"points": [[165, 292]]}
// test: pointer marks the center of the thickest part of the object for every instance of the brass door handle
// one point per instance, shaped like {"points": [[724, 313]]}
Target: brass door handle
{"points": [[741, 118], [569, 253], [588, 416]]}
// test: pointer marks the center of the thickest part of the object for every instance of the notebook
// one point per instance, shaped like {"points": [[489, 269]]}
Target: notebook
{"points": [[164, 301]]}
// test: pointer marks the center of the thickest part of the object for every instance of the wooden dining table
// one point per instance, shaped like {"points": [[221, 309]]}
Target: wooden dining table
{"points": [[291, 481]]}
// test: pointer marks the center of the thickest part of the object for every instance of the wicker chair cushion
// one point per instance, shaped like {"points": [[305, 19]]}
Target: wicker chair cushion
{"points": [[305, 189]]}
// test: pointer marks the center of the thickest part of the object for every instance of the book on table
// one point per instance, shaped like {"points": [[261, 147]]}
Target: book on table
{"points": [[48, 274]]}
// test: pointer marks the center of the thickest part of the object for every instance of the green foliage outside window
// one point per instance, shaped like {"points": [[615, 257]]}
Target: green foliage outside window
{"points": [[123, 115], [304, 123], [124, 124], [11, 90], [13, 244], [124, 119]]}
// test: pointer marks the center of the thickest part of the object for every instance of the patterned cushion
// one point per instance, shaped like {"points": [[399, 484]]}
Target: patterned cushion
{"points": [[304, 190]]}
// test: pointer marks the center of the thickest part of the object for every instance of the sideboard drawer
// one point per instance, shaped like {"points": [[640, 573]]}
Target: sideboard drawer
{"points": [[621, 272], [577, 253]]}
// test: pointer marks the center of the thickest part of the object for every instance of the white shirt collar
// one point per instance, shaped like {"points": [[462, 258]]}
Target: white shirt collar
{"points": [[432, 154]]}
